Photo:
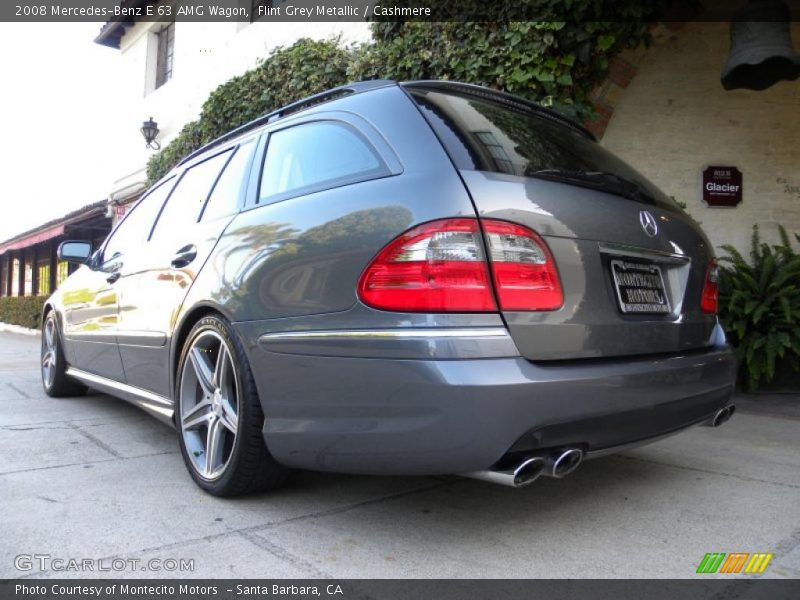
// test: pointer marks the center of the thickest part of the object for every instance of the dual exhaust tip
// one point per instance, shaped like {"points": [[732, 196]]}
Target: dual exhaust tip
{"points": [[557, 464], [721, 416], [560, 463]]}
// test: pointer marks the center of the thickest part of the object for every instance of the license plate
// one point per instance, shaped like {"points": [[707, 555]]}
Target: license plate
{"points": [[640, 287]]}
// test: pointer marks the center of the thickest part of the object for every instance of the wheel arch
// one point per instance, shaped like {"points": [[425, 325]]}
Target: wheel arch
{"points": [[181, 332], [48, 306]]}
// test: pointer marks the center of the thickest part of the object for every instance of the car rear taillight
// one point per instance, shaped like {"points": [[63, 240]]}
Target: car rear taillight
{"points": [[524, 272], [708, 301], [437, 267], [441, 267]]}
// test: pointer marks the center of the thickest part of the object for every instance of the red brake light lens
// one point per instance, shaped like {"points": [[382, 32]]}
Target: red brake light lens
{"points": [[437, 267], [709, 300], [524, 272], [441, 266]]}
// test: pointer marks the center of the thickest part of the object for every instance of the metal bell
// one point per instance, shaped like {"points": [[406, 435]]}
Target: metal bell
{"points": [[761, 47]]}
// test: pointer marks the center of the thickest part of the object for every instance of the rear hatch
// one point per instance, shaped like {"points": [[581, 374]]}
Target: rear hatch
{"points": [[632, 264]]}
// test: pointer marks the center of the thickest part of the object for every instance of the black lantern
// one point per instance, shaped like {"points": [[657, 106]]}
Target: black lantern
{"points": [[150, 132]]}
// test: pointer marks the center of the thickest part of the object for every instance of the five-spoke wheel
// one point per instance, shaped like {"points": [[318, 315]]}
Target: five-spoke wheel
{"points": [[209, 396], [54, 364], [49, 354], [219, 416]]}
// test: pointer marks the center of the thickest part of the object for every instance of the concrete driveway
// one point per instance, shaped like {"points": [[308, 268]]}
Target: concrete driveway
{"points": [[92, 477]]}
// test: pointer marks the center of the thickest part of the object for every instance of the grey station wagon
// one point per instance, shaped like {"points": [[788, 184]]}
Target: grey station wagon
{"points": [[416, 278]]}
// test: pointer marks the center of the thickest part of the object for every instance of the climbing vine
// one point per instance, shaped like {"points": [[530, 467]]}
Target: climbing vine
{"points": [[556, 62]]}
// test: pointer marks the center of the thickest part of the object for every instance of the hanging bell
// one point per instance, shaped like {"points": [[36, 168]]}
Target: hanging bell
{"points": [[761, 47]]}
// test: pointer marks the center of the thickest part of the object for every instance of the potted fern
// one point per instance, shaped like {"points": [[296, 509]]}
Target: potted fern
{"points": [[760, 309]]}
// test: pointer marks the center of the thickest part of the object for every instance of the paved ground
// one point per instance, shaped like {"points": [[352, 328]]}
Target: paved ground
{"points": [[94, 477]]}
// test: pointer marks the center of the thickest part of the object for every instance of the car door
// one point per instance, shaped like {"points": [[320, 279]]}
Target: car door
{"points": [[154, 285], [90, 312]]}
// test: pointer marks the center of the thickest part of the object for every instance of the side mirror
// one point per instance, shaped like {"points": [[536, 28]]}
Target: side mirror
{"points": [[75, 252]]}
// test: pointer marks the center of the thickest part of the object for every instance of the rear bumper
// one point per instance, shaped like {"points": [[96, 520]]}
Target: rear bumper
{"points": [[393, 415]]}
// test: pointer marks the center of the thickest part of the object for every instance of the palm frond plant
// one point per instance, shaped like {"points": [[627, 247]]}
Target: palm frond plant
{"points": [[759, 304]]}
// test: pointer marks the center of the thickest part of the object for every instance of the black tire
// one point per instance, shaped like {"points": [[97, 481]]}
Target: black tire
{"points": [[248, 466], [54, 379]]}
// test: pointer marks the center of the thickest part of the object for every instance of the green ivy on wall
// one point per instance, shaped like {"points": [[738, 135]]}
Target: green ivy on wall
{"points": [[556, 62]]}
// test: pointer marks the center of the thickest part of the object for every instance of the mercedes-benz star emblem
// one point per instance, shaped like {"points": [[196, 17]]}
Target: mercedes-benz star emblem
{"points": [[648, 222]]}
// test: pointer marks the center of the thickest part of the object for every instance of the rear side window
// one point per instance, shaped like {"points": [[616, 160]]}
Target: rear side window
{"points": [[135, 228], [483, 135], [190, 195], [315, 156]]}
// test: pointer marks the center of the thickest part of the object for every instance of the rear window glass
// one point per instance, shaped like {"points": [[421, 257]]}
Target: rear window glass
{"points": [[483, 135]]}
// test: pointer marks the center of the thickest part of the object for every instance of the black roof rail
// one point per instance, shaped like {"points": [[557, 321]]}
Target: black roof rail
{"points": [[304, 103], [504, 97]]}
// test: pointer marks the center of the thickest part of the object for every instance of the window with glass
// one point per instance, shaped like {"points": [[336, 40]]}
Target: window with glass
{"points": [[62, 272], [165, 54], [44, 276], [28, 274], [191, 192], [137, 224], [15, 266], [224, 198], [315, 156], [485, 134]]}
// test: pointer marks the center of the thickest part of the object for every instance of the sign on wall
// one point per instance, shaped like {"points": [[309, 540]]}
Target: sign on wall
{"points": [[722, 186]]}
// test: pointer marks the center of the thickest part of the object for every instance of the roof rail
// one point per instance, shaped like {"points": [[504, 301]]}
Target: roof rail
{"points": [[497, 95], [297, 106]]}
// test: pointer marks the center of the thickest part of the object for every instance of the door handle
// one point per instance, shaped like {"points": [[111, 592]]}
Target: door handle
{"points": [[184, 256], [113, 277]]}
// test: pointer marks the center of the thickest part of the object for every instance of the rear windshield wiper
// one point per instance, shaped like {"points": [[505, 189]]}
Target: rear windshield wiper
{"points": [[599, 180]]}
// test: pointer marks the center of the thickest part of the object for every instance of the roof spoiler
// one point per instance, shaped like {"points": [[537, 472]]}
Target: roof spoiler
{"points": [[478, 91]]}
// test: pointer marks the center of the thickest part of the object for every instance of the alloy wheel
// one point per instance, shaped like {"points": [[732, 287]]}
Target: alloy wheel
{"points": [[209, 404], [49, 354]]}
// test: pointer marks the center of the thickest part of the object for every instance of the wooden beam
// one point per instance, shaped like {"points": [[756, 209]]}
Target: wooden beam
{"points": [[7, 264], [21, 274], [10, 274]]}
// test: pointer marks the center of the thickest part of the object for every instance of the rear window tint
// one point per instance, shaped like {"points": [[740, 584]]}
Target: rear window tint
{"points": [[483, 135]]}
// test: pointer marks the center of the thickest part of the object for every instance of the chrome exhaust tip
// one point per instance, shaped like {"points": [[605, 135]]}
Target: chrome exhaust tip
{"points": [[525, 473], [561, 464], [721, 416]]}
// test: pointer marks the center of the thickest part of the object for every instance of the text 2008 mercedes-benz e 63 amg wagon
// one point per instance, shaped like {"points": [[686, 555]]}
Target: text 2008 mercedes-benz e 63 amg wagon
{"points": [[416, 278]]}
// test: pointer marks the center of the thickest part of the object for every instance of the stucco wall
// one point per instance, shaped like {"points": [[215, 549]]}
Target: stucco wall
{"points": [[206, 55], [674, 118]]}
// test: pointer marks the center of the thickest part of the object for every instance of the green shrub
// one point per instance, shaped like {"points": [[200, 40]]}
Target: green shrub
{"points": [[25, 311], [556, 62], [760, 307], [290, 73]]}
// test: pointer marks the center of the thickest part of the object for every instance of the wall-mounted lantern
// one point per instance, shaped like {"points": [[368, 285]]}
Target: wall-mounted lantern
{"points": [[150, 132], [761, 47]]}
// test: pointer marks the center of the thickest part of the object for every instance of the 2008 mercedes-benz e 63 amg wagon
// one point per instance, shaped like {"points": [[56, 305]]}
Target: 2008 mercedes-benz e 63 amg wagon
{"points": [[415, 278]]}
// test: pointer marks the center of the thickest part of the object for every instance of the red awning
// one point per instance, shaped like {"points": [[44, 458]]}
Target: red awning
{"points": [[33, 239]]}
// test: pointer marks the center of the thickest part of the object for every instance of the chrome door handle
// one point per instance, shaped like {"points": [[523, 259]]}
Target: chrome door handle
{"points": [[184, 256], [113, 277]]}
